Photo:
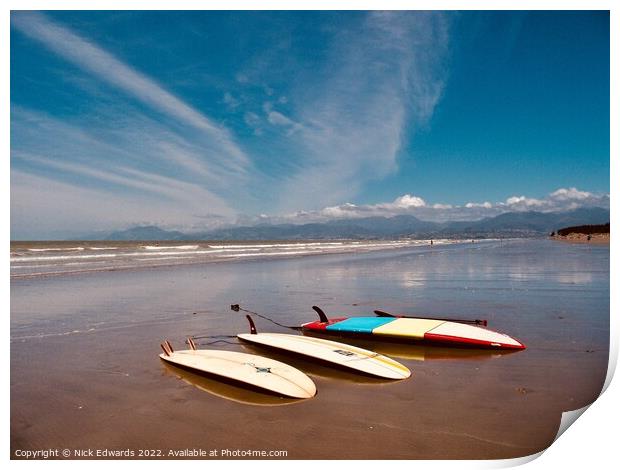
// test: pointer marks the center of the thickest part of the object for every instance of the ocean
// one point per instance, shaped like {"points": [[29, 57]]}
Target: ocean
{"points": [[30, 259]]}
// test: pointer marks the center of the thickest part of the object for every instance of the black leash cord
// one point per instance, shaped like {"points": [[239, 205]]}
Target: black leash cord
{"points": [[218, 341], [236, 308], [213, 336]]}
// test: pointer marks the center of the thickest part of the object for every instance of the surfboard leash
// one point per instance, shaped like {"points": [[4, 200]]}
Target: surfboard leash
{"points": [[217, 341], [213, 336], [237, 308]]}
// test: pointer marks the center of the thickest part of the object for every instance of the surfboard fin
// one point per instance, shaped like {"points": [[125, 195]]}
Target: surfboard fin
{"points": [[169, 346], [381, 313], [191, 343], [321, 313], [166, 348], [252, 325]]}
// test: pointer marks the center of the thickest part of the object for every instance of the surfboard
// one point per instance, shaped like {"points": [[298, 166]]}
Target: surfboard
{"points": [[340, 354], [228, 391], [414, 330], [255, 371]]}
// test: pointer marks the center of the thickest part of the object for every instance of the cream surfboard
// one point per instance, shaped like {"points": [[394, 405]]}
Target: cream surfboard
{"points": [[340, 354], [256, 371], [228, 391]]}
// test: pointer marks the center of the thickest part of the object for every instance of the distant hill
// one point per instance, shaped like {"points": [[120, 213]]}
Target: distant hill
{"points": [[364, 228], [531, 223], [511, 224]]}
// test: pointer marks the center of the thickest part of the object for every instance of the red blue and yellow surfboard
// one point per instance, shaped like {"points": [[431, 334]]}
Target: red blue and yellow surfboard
{"points": [[415, 330]]}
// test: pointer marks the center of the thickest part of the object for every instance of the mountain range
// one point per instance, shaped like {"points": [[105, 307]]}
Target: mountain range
{"points": [[510, 224]]}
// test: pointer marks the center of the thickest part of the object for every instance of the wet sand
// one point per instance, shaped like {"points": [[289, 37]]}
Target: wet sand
{"points": [[85, 372], [595, 238]]}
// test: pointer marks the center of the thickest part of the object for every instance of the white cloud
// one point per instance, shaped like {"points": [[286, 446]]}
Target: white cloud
{"points": [[252, 119], [567, 194], [60, 209], [115, 166], [344, 123], [141, 162], [407, 201], [524, 202], [439, 212], [343, 211], [486, 205], [278, 119], [242, 78], [131, 140], [231, 102], [105, 66], [382, 77]]}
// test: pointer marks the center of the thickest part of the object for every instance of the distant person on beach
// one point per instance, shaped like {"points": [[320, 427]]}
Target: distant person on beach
{"points": [[431, 242]]}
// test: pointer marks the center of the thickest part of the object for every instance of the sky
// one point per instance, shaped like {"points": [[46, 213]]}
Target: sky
{"points": [[195, 120]]}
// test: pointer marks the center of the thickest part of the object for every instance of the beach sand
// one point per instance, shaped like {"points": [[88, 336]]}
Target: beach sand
{"points": [[595, 238], [85, 371]]}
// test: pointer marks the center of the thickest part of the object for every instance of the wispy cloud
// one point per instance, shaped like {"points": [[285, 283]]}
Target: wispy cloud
{"points": [[128, 178], [59, 209], [117, 170], [291, 126], [174, 162], [382, 77], [339, 126], [106, 67], [278, 119]]}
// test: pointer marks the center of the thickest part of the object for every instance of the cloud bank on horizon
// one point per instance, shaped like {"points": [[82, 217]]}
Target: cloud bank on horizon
{"points": [[563, 199], [193, 120]]}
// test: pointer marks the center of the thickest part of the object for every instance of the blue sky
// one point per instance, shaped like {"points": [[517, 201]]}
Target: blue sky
{"points": [[191, 120]]}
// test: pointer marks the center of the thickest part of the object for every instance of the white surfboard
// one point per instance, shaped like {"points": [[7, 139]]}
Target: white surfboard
{"points": [[256, 371], [341, 354], [228, 391]]}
